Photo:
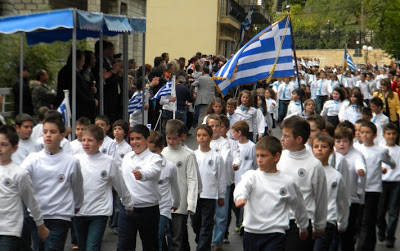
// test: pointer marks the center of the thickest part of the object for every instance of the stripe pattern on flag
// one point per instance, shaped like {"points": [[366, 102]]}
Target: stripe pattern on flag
{"points": [[246, 25], [164, 91], [269, 52], [65, 111], [135, 103]]}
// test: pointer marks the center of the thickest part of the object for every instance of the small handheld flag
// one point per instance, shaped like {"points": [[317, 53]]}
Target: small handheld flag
{"points": [[135, 103], [164, 91]]}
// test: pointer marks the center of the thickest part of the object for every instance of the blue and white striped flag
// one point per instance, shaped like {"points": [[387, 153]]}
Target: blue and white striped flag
{"points": [[164, 91], [65, 109], [265, 55], [349, 61], [246, 25], [135, 103]]}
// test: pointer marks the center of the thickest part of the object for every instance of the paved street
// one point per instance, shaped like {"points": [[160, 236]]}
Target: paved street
{"points": [[110, 240]]}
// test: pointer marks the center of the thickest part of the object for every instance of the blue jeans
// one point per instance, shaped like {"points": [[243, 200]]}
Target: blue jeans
{"points": [[323, 243], [203, 223], [270, 242], [389, 202], [164, 229], [145, 220], [90, 231], [221, 219], [57, 237], [282, 109], [9, 243]]}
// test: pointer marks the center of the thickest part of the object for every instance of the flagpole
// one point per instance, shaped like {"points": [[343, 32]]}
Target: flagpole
{"points": [[294, 52], [173, 94]]}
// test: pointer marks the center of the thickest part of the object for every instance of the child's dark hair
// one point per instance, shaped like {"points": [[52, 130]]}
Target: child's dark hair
{"points": [[83, 121], [343, 132], [370, 125], [300, 93], [391, 126], [55, 118], [341, 93], [216, 100], [122, 124], [347, 124], [95, 131], [225, 121], [42, 111], [360, 100], [23, 117], [330, 128], [102, 117], [251, 99], [141, 129], [270, 143], [10, 133], [241, 126], [156, 139], [175, 126], [376, 101], [206, 128], [272, 93], [318, 120], [300, 127], [263, 103], [366, 111], [325, 139]]}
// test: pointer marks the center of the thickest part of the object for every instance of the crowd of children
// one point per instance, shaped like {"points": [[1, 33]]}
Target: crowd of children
{"points": [[325, 185]]}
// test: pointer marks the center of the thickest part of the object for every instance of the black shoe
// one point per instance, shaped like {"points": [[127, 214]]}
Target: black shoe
{"points": [[389, 243], [381, 237]]}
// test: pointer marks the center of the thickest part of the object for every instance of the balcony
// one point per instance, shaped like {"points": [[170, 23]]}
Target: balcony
{"points": [[260, 15], [231, 15]]}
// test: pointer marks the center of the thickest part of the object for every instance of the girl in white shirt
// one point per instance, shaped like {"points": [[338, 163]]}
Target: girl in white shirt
{"points": [[264, 114], [353, 112], [331, 107], [295, 104], [217, 106], [270, 98]]}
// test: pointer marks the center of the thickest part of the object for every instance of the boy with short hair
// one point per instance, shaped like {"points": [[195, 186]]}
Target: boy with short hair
{"points": [[376, 105], [389, 200], [187, 179], [265, 224], [99, 172], [141, 170], [108, 147], [233, 117], [309, 175], [374, 157], [15, 187], [367, 115], [169, 189], [317, 126], [57, 181], [37, 130], [295, 103], [338, 203], [76, 145]]}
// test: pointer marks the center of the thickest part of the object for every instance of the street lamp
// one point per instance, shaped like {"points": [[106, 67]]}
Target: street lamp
{"points": [[366, 50]]}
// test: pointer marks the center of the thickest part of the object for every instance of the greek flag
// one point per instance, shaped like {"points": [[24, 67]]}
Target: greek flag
{"points": [[164, 91], [135, 103], [347, 62], [65, 109], [265, 55], [246, 25]]}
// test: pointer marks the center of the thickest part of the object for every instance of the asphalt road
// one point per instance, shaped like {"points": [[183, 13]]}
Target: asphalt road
{"points": [[110, 240]]}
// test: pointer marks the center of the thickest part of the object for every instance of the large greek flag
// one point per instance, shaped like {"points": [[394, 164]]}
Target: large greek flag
{"points": [[135, 103], [164, 91], [348, 62], [265, 55], [246, 25]]}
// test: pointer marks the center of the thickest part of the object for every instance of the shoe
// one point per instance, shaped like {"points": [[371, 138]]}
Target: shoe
{"points": [[217, 247], [75, 248], [389, 243], [237, 229], [115, 231], [241, 230], [381, 237], [226, 241]]}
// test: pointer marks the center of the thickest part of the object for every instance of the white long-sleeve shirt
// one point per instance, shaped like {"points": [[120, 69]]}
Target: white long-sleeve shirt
{"points": [[185, 163], [331, 108], [25, 147], [380, 119], [76, 147], [338, 203], [233, 118], [15, 187], [374, 157], [364, 89], [270, 196], [339, 162], [169, 188], [321, 87], [248, 159], [308, 173], [223, 148], [233, 159], [212, 173], [99, 172], [120, 150], [64, 144], [352, 114], [37, 131], [392, 175], [108, 147], [250, 116], [272, 107], [57, 181], [144, 192], [294, 107], [284, 91]]}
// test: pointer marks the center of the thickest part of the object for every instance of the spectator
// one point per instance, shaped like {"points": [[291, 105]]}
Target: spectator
{"points": [[26, 96], [42, 95], [205, 93]]}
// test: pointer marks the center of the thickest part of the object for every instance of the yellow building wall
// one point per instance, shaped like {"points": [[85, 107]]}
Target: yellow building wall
{"points": [[181, 28]]}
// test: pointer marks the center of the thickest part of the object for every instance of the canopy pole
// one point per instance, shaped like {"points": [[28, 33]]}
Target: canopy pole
{"points": [[145, 112], [21, 73], [101, 76], [74, 71], [125, 98]]}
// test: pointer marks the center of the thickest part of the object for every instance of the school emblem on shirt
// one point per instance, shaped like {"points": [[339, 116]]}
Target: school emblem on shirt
{"points": [[334, 185], [179, 164], [61, 178], [104, 151], [122, 155], [301, 172], [246, 158], [210, 162], [217, 150], [103, 174], [283, 191], [8, 182]]}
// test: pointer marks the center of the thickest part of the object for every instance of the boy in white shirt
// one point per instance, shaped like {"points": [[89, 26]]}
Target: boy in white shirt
{"points": [[99, 172], [108, 147], [233, 117], [338, 203], [309, 175], [141, 171], [374, 157], [169, 189], [37, 130], [76, 145], [267, 208], [295, 103], [57, 181], [15, 187], [185, 163], [390, 196], [376, 105]]}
